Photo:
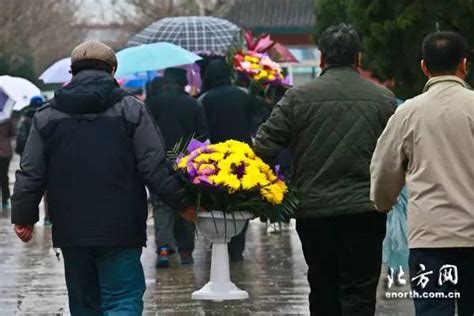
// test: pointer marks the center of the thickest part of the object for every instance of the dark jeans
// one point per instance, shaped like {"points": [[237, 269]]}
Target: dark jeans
{"points": [[104, 280], [172, 229], [344, 257], [237, 244], [433, 259], [4, 181]]}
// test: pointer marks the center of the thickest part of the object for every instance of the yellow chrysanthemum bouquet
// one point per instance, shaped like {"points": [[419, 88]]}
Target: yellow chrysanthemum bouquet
{"points": [[229, 177]]}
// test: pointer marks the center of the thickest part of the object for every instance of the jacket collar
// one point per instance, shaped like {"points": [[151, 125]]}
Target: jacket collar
{"points": [[90, 91], [446, 79], [339, 68]]}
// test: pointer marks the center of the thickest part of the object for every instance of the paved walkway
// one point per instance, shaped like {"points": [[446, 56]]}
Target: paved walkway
{"points": [[274, 273]]}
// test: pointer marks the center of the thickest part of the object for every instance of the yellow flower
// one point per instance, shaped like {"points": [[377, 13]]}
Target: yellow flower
{"points": [[274, 193], [206, 165], [227, 158], [230, 181], [208, 157], [251, 59], [183, 162], [249, 182], [255, 66], [236, 158], [220, 147], [282, 185], [252, 177]]}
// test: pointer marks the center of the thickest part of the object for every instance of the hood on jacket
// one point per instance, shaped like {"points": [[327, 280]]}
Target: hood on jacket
{"points": [[177, 76], [156, 86], [90, 91], [218, 73]]}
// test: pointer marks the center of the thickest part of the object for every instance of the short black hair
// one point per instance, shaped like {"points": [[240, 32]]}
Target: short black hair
{"points": [[443, 51], [340, 45], [90, 64]]}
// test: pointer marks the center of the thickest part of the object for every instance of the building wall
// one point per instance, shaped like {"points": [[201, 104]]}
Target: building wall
{"points": [[295, 39]]}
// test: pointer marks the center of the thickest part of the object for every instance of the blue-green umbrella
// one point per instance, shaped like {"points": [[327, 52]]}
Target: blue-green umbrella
{"points": [[152, 57]]}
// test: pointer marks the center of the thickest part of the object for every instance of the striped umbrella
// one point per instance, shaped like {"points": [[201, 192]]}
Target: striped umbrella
{"points": [[205, 35]]}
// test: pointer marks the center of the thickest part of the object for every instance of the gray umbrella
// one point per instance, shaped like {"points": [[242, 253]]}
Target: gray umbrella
{"points": [[195, 33]]}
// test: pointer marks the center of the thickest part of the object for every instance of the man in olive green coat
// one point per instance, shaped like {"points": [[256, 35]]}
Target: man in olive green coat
{"points": [[331, 125]]}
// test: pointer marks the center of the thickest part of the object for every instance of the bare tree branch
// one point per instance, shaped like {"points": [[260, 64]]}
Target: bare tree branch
{"points": [[44, 30], [141, 13]]}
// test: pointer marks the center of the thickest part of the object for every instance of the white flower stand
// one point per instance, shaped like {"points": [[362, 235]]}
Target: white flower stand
{"points": [[219, 230]]}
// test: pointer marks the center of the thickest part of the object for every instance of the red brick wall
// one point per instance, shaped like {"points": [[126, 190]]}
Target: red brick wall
{"points": [[297, 39]]}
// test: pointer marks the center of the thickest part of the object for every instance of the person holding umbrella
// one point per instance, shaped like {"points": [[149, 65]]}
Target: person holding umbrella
{"points": [[102, 148]]}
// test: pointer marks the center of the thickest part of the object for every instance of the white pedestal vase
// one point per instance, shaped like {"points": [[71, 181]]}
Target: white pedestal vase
{"points": [[219, 229]]}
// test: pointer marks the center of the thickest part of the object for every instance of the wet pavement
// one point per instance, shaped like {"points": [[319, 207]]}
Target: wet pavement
{"points": [[273, 272]]}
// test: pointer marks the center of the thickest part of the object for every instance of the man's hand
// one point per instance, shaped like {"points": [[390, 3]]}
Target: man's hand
{"points": [[24, 232], [190, 213]]}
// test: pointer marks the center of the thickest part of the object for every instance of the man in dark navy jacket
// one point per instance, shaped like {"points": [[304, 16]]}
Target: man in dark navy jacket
{"points": [[94, 148]]}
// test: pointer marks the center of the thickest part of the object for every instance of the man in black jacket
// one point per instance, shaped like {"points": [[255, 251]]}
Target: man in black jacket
{"points": [[229, 110], [180, 118], [229, 113], [331, 125], [94, 148]]}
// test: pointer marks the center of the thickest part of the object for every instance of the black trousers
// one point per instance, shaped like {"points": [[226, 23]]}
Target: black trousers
{"points": [[237, 244], [344, 257], [4, 181], [433, 260]]}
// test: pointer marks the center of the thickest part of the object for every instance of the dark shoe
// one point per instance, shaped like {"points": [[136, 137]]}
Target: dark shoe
{"points": [[163, 260], [186, 257]]}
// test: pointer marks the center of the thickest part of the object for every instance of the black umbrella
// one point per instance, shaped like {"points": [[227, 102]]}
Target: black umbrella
{"points": [[208, 35]]}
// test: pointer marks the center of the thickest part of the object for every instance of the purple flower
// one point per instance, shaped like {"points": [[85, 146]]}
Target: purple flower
{"points": [[207, 150], [240, 171], [192, 172], [203, 179], [195, 144], [207, 171], [278, 173]]}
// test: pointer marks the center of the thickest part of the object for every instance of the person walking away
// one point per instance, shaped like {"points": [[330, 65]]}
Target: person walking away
{"points": [[229, 112], [25, 122], [179, 118], [429, 144], [94, 148], [331, 125], [23, 131], [7, 132]]}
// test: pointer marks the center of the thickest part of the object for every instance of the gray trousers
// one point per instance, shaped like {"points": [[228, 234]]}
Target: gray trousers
{"points": [[171, 229]]}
